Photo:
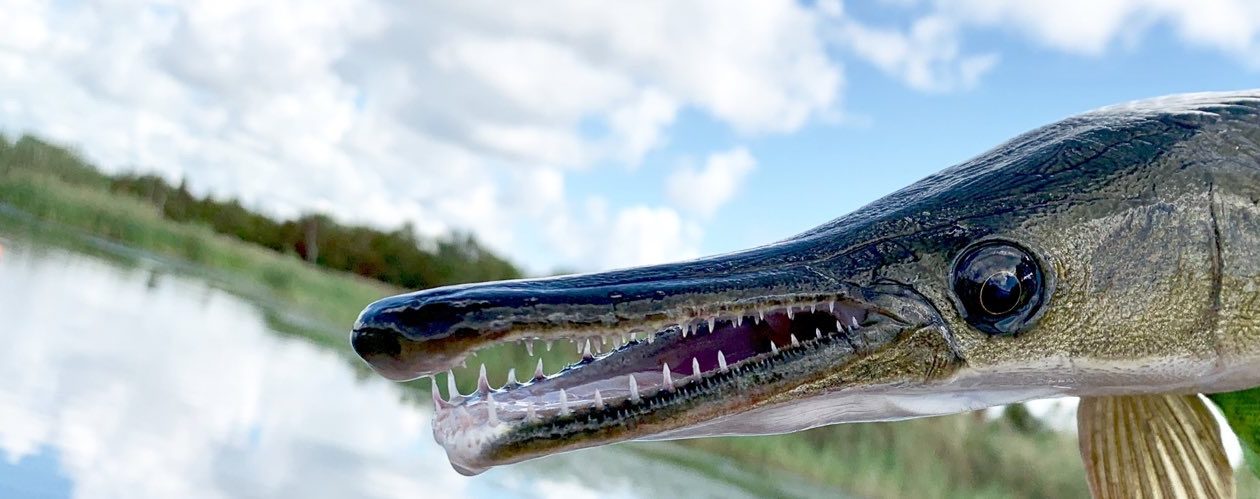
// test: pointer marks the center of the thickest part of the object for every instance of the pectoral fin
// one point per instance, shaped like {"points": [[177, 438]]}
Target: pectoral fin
{"points": [[1162, 446]]}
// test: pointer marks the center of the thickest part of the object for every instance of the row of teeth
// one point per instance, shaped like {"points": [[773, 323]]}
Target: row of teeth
{"points": [[597, 401], [589, 348]]}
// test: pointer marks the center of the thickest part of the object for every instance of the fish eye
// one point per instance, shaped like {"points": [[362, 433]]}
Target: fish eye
{"points": [[998, 287]]}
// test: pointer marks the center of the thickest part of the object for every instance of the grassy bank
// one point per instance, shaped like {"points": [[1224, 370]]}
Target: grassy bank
{"points": [[951, 456], [332, 298]]}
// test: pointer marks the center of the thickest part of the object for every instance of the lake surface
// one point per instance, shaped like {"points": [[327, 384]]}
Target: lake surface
{"points": [[134, 380]]}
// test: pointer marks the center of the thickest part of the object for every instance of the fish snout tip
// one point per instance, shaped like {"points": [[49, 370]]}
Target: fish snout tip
{"points": [[401, 336], [382, 350]]}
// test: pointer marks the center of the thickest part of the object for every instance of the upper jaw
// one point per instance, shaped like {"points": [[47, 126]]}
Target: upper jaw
{"points": [[407, 336]]}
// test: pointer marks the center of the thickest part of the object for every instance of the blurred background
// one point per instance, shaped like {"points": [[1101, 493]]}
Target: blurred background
{"points": [[197, 198]]}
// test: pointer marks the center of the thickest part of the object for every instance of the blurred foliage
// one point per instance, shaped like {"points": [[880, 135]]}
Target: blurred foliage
{"points": [[1022, 420], [399, 257], [950, 456], [1242, 410]]}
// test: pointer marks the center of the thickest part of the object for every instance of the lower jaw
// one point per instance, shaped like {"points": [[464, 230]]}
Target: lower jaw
{"points": [[597, 397], [473, 445], [477, 447]]}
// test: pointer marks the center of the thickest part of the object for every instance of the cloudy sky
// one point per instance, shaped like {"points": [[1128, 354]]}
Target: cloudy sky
{"points": [[581, 136]]}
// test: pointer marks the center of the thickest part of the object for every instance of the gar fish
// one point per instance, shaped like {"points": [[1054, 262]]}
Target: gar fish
{"points": [[1113, 256]]}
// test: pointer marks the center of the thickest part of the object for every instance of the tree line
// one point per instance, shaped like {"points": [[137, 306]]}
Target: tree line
{"points": [[400, 256]]}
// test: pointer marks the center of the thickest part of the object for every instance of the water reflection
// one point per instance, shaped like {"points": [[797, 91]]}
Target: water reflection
{"points": [[129, 382]]}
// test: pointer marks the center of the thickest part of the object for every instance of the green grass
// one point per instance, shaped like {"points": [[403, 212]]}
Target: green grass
{"points": [[955, 456], [329, 297], [951, 456], [941, 457]]}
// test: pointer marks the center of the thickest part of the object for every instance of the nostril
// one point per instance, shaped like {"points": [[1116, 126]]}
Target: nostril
{"points": [[370, 343]]}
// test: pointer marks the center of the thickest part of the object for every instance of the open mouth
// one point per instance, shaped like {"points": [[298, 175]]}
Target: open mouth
{"points": [[623, 378]]}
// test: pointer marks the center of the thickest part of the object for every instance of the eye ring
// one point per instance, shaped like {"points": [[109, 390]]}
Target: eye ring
{"points": [[998, 287]]}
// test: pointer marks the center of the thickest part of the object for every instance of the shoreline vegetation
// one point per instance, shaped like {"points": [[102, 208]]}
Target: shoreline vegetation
{"points": [[318, 271]]}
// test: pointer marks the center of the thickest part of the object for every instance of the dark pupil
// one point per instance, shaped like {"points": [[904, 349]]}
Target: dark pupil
{"points": [[1000, 293], [998, 287]]}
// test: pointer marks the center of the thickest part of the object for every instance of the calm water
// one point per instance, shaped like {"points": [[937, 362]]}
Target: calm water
{"points": [[130, 381]]}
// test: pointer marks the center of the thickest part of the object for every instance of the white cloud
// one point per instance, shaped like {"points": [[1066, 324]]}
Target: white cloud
{"points": [[388, 112], [704, 191], [595, 238], [220, 408], [1091, 28], [643, 235], [441, 114], [927, 57]]}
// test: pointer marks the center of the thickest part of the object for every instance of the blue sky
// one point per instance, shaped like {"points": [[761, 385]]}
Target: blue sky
{"points": [[581, 138], [824, 170]]}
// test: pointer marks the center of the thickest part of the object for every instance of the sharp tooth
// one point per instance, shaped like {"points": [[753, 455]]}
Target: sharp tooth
{"points": [[549, 342], [739, 320], [492, 412], [463, 363], [564, 403], [483, 384], [817, 333], [773, 348], [529, 347], [794, 341], [651, 337], [839, 327], [695, 368], [626, 339], [579, 345], [669, 382], [790, 313], [853, 322], [712, 324], [721, 361], [529, 412], [538, 371], [686, 329], [603, 340], [634, 389], [634, 336], [831, 306], [599, 401], [586, 350], [451, 390], [438, 403], [813, 307], [511, 381], [761, 315]]}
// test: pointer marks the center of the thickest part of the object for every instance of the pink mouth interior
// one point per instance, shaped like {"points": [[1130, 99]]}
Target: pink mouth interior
{"points": [[690, 358]]}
